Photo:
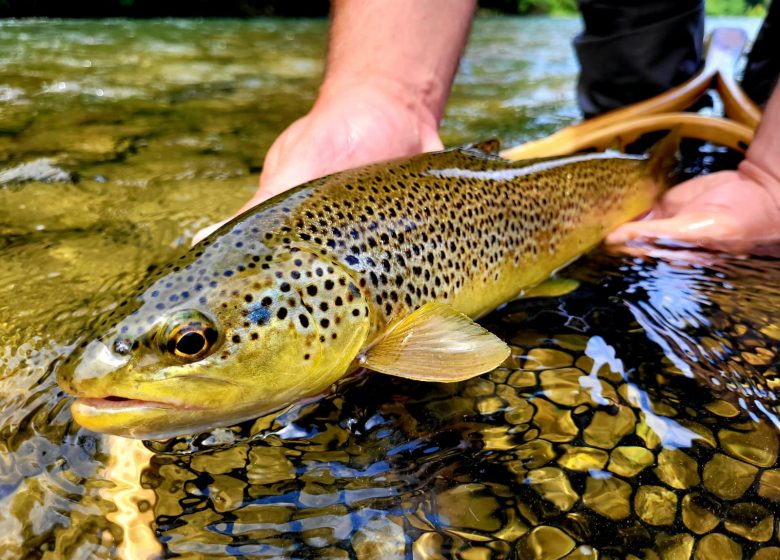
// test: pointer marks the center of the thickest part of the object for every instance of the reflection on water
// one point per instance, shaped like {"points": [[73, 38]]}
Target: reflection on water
{"points": [[636, 417]]}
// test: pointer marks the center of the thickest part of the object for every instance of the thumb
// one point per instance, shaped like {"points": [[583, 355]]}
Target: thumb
{"points": [[692, 228], [206, 231]]}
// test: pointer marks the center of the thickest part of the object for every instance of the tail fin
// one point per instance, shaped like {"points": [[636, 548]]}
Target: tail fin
{"points": [[664, 158]]}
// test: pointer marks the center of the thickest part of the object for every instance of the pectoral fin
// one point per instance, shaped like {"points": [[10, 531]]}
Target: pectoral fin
{"points": [[435, 343], [554, 287]]}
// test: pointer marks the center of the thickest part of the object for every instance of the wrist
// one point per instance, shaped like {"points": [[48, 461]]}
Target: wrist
{"points": [[756, 173], [408, 123], [417, 99]]}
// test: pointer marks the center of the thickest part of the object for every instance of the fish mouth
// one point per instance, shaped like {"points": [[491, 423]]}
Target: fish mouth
{"points": [[115, 402]]}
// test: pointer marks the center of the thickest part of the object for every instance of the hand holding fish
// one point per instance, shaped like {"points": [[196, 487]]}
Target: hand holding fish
{"points": [[733, 211], [350, 126], [388, 75], [727, 211]]}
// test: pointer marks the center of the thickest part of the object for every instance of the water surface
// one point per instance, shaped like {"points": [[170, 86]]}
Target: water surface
{"points": [[636, 416]]}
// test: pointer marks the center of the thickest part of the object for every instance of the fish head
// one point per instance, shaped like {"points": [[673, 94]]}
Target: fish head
{"points": [[227, 334]]}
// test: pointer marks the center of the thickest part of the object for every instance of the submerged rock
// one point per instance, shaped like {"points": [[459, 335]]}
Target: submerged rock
{"points": [[39, 170]]}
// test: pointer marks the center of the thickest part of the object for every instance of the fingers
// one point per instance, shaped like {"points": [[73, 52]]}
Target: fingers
{"points": [[682, 228], [678, 253], [704, 229]]}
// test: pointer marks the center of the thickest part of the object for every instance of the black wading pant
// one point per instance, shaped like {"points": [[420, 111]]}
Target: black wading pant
{"points": [[632, 50]]}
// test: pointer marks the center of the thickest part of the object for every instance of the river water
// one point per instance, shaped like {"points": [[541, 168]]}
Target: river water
{"points": [[636, 416]]}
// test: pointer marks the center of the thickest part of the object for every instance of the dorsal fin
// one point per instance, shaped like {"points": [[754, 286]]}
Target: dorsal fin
{"points": [[491, 146]]}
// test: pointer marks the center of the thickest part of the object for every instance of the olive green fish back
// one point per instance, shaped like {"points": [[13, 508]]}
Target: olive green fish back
{"points": [[461, 227]]}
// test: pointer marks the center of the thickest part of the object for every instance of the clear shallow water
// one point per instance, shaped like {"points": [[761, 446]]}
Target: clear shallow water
{"points": [[636, 415]]}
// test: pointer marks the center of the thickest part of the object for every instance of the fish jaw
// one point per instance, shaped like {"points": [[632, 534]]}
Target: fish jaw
{"points": [[119, 404], [144, 419]]}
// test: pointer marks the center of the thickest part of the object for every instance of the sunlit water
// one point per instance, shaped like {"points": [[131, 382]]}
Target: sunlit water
{"points": [[636, 416]]}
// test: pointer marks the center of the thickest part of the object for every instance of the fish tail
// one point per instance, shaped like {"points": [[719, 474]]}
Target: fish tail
{"points": [[664, 159]]}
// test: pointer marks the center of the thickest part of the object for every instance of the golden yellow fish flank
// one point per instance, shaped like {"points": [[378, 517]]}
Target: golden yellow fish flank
{"points": [[383, 267]]}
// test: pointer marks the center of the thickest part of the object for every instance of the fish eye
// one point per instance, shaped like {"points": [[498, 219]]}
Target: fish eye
{"points": [[189, 336], [190, 343]]}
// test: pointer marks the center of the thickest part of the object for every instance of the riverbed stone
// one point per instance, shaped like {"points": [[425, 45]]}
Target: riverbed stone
{"points": [[556, 424], [428, 546], [609, 497], [546, 543], [469, 506], [767, 553], [751, 521], [677, 469], [583, 459], [674, 547], [535, 453], [769, 485], [630, 460], [722, 408], [562, 386], [655, 505], [756, 444], [646, 433], [606, 430], [547, 358], [519, 412], [379, 538], [700, 513], [553, 485], [716, 546], [521, 379], [728, 478]]}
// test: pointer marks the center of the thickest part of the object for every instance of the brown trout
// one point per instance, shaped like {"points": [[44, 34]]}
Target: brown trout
{"points": [[383, 267]]}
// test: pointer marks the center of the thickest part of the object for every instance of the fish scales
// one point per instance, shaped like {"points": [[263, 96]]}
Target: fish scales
{"points": [[289, 297], [469, 238]]}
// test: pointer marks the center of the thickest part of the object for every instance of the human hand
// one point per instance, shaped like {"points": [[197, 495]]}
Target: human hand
{"points": [[732, 211], [349, 126]]}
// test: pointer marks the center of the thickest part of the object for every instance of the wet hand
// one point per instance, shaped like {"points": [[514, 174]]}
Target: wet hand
{"points": [[349, 126], [732, 211]]}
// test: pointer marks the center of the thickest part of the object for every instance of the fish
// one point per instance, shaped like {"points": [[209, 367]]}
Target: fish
{"points": [[386, 267]]}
